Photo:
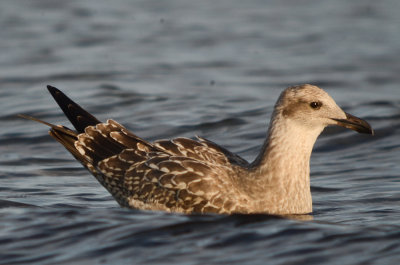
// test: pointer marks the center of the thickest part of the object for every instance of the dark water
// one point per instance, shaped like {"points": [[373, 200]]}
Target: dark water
{"points": [[212, 68]]}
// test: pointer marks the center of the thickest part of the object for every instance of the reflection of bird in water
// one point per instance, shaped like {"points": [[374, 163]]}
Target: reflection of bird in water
{"points": [[199, 176]]}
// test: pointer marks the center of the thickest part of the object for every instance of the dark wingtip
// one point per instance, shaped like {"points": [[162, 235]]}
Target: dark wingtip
{"points": [[55, 92], [79, 117], [52, 89]]}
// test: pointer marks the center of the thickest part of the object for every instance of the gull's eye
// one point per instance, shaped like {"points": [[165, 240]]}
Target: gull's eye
{"points": [[315, 105]]}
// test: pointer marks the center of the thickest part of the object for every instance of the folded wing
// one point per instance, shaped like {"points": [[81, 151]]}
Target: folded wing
{"points": [[180, 175]]}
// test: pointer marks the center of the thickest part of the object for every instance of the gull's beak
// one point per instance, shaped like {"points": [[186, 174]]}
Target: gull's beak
{"points": [[355, 123]]}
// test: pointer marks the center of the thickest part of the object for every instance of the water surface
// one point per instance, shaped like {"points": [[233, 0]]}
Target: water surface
{"points": [[180, 68]]}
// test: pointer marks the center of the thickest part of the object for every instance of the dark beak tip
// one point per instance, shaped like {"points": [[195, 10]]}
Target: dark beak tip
{"points": [[356, 124], [369, 131], [367, 127], [372, 132]]}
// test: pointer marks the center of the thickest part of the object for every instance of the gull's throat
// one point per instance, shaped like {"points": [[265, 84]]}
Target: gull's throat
{"points": [[283, 166]]}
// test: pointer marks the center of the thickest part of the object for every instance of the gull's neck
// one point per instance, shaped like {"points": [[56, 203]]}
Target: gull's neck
{"points": [[282, 169]]}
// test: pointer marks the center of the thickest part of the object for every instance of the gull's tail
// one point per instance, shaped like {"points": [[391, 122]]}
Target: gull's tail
{"points": [[96, 145], [62, 134], [79, 118]]}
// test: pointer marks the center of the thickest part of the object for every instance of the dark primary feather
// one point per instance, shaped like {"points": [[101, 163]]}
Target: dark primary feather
{"points": [[176, 175], [79, 117]]}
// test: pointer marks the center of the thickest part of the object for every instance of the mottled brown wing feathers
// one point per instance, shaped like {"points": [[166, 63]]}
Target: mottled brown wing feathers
{"points": [[144, 175], [175, 175], [168, 185], [231, 157], [202, 150], [97, 144]]}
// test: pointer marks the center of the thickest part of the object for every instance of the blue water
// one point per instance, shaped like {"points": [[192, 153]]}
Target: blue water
{"points": [[213, 68]]}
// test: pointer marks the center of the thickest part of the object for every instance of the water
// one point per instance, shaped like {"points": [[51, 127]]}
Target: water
{"points": [[179, 68]]}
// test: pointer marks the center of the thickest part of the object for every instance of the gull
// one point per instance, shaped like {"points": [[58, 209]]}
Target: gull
{"points": [[198, 176]]}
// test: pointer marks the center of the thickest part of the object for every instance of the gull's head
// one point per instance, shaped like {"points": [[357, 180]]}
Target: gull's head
{"points": [[312, 108]]}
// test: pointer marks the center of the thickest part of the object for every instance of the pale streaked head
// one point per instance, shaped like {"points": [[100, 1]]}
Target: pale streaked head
{"points": [[311, 107]]}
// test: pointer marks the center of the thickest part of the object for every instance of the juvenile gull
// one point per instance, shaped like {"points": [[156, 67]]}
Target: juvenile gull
{"points": [[199, 176]]}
